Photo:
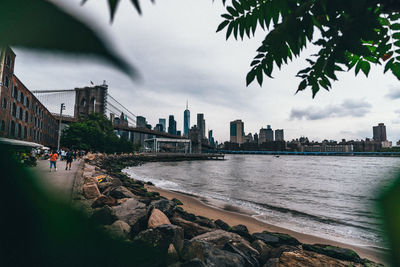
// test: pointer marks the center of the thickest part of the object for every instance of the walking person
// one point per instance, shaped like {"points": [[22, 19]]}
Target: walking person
{"points": [[68, 156], [53, 160]]}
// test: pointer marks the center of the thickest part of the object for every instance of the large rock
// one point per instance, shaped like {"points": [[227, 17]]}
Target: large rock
{"points": [[219, 238], [157, 218], [191, 229], [241, 230], [263, 249], [185, 215], [334, 252], [104, 215], [162, 236], [133, 213], [209, 255], [302, 258], [164, 205], [203, 221], [91, 191], [119, 229], [120, 192], [104, 186], [193, 263], [249, 259], [104, 200], [276, 239], [223, 225]]}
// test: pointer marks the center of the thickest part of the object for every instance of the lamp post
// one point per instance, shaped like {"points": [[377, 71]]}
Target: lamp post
{"points": [[59, 126]]}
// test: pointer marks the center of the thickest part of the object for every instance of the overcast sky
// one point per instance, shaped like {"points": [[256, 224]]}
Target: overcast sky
{"points": [[180, 57]]}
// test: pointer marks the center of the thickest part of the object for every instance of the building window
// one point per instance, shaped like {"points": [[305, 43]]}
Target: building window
{"points": [[14, 109], [2, 126], [15, 91], [6, 81], [4, 103], [26, 116], [18, 112], [8, 61], [19, 96], [12, 128], [27, 102], [25, 132]]}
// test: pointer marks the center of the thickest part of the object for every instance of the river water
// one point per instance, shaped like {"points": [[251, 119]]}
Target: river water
{"points": [[331, 197]]}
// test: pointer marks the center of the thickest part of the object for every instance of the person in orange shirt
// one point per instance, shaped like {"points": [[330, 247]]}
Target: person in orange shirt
{"points": [[53, 160]]}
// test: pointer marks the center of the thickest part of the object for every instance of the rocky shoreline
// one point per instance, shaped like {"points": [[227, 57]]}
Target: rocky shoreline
{"points": [[129, 212]]}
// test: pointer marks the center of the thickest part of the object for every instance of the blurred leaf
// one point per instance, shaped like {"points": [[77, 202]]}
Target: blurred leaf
{"points": [[112, 4], [39, 24]]}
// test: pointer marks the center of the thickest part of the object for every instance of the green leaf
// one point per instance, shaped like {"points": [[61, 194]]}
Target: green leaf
{"points": [[227, 16], [358, 66], [250, 77], [41, 25], [396, 35], [259, 76], [395, 26], [302, 85], [222, 25], [229, 31], [232, 11], [137, 6], [112, 4], [395, 68], [365, 67], [388, 65]]}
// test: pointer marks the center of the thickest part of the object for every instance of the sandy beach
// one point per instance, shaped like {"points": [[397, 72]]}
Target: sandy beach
{"points": [[196, 206]]}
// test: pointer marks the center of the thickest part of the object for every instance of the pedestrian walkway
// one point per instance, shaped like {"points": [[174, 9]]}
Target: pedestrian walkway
{"points": [[59, 182]]}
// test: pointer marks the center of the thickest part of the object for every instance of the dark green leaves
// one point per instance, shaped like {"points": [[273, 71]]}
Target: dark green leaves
{"points": [[39, 24], [354, 33]]}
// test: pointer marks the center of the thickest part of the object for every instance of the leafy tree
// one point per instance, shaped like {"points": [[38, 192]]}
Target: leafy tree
{"points": [[94, 133], [349, 34]]}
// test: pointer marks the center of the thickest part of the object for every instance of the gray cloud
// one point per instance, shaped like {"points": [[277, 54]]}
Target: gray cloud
{"points": [[394, 93], [348, 108]]}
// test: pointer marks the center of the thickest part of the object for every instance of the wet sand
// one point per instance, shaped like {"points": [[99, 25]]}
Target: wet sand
{"points": [[234, 216]]}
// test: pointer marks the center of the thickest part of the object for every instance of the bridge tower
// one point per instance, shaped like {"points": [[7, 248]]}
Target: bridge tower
{"points": [[90, 99]]}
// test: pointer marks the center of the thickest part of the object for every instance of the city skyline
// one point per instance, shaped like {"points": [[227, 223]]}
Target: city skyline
{"points": [[183, 71]]}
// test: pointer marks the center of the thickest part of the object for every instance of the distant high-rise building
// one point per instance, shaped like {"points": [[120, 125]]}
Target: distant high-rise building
{"points": [[279, 135], [201, 124], [171, 125], [262, 137], [248, 138], [179, 133], [148, 126], [163, 122], [211, 138], [379, 132], [186, 121], [237, 132], [159, 127], [141, 121], [270, 134], [255, 137]]}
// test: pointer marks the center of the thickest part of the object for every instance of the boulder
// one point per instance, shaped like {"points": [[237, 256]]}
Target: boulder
{"points": [[88, 179], [116, 182], [162, 236], [164, 205], [250, 260], [192, 249], [219, 238], [157, 218], [104, 215], [334, 252], [302, 258], [203, 221], [185, 215], [133, 213], [90, 191], [223, 225], [241, 230], [191, 229], [277, 252], [263, 249], [276, 239], [119, 229], [177, 201], [104, 186], [120, 192], [104, 200]]}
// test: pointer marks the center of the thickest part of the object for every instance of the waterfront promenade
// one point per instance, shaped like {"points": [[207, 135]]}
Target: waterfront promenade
{"points": [[60, 182]]}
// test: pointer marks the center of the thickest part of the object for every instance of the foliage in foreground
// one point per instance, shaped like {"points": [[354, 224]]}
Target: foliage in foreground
{"points": [[349, 34], [95, 133]]}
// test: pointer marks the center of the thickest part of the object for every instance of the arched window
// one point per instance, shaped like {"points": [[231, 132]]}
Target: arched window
{"points": [[92, 107], [83, 102], [8, 61]]}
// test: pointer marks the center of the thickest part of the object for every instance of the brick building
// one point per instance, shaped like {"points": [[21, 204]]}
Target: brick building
{"points": [[22, 116]]}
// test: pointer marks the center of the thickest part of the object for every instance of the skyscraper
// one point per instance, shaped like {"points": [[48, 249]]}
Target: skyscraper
{"points": [[201, 124], [186, 121], [141, 121], [270, 134], [163, 122], [211, 138], [237, 132], [279, 135], [171, 125], [379, 132]]}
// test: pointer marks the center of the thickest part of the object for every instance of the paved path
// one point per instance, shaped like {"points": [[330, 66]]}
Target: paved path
{"points": [[59, 182]]}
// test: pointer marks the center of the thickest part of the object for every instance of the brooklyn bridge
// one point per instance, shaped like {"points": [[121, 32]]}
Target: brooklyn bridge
{"points": [[79, 102]]}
